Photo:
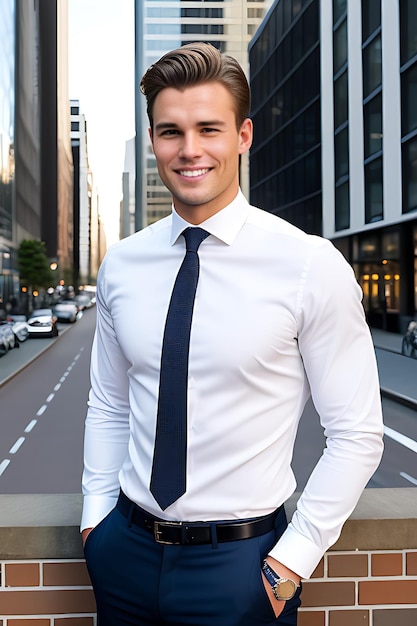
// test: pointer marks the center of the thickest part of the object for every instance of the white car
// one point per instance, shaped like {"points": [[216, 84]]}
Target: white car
{"points": [[42, 323], [66, 311], [7, 338]]}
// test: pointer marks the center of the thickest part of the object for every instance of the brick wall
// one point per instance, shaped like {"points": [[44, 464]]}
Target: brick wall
{"points": [[46, 593], [347, 589], [369, 578], [362, 588]]}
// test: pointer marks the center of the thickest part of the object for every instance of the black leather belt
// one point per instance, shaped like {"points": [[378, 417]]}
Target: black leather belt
{"points": [[183, 533]]}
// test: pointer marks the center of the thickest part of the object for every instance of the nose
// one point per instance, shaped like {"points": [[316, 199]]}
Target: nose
{"points": [[190, 146]]}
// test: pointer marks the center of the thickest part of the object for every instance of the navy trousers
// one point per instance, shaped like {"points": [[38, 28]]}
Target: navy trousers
{"points": [[138, 582]]}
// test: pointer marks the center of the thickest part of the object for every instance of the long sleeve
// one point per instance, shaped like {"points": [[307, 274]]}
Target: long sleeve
{"points": [[107, 423], [339, 360]]}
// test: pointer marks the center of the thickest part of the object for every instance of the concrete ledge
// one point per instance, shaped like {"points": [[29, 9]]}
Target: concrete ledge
{"points": [[47, 526]]}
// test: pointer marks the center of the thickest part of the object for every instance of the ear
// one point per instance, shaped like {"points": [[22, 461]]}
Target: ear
{"points": [[245, 135], [151, 136]]}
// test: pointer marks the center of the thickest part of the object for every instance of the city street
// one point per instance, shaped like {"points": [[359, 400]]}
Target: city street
{"points": [[43, 410], [42, 414]]}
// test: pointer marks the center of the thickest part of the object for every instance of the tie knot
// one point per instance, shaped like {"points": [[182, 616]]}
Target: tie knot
{"points": [[193, 237]]}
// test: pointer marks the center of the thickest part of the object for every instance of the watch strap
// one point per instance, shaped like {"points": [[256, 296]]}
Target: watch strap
{"points": [[275, 581]]}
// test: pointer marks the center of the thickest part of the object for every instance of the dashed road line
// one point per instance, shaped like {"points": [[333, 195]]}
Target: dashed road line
{"points": [[18, 444], [3, 465], [31, 426], [410, 479]]}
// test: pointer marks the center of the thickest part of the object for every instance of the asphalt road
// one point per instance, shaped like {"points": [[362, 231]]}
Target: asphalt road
{"points": [[43, 410], [42, 415]]}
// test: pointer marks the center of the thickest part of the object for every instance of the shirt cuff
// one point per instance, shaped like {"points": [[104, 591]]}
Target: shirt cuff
{"points": [[95, 509], [297, 552]]}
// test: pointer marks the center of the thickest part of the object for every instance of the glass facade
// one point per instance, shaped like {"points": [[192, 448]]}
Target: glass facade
{"points": [[341, 116], [9, 285], [7, 104], [285, 159], [372, 109], [408, 22]]}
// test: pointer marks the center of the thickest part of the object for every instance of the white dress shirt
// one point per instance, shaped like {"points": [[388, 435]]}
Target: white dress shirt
{"points": [[277, 318]]}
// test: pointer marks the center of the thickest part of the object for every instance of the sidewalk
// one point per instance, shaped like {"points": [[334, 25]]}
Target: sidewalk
{"points": [[397, 373]]}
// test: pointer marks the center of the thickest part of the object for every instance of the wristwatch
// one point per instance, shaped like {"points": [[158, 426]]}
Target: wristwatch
{"points": [[283, 588]]}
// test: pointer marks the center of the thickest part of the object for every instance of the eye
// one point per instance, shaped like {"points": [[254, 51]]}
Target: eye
{"points": [[169, 132], [209, 130]]}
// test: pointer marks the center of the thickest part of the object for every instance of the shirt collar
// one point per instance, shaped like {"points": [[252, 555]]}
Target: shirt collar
{"points": [[224, 224]]}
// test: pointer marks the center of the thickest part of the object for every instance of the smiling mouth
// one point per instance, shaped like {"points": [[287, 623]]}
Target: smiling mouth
{"points": [[193, 173]]}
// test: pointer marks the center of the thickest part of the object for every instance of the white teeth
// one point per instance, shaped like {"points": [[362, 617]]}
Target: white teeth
{"points": [[193, 173]]}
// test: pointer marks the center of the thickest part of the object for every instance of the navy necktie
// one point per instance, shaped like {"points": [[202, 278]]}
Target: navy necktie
{"points": [[168, 480]]}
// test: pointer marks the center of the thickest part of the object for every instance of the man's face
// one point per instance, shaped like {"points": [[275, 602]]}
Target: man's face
{"points": [[197, 147]]}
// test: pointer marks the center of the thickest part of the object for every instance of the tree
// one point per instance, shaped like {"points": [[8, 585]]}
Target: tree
{"points": [[34, 264]]}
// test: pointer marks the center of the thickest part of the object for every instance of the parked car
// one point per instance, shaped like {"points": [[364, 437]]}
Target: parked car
{"points": [[83, 301], [19, 327], [7, 338], [42, 323], [66, 311]]}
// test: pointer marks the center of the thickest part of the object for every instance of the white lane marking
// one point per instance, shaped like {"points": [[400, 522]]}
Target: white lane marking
{"points": [[16, 446], [3, 465], [405, 441], [410, 479], [31, 426]]}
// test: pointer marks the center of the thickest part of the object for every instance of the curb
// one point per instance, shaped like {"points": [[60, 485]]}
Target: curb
{"points": [[33, 358], [25, 365], [399, 398]]}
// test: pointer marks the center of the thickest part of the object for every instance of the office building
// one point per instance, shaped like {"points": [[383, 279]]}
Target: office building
{"points": [[335, 149], [56, 156], [127, 204], [86, 218], [20, 140]]}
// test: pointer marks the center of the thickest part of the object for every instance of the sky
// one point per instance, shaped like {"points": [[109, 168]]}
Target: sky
{"points": [[101, 77]]}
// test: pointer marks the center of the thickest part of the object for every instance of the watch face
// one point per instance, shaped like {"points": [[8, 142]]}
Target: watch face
{"points": [[285, 589]]}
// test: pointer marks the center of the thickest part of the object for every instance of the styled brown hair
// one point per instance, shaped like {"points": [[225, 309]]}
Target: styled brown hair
{"points": [[193, 64]]}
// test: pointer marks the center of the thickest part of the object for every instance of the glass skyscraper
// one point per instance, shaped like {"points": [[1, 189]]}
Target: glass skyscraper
{"points": [[335, 151]]}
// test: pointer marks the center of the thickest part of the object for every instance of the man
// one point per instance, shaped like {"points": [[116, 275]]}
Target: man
{"points": [[277, 317]]}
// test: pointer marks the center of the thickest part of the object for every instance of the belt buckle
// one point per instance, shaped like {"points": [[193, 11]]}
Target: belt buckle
{"points": [[158, 530]]}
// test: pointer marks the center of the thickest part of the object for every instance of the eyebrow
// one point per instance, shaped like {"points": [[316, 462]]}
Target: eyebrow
{"points": [[168, 125]]}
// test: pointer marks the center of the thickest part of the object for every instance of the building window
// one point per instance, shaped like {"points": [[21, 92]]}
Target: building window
{"points": [[75, 110], [409, 100], [341, 154], [371, 17], [410, 176], [339, 8], [372, 120], [342, 216], [372, 66], [408, 21], [75, 126], [373, 191], [340, 47], [340, 100]]}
